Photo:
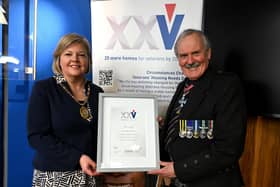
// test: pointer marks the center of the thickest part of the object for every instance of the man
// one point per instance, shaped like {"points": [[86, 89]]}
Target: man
{"points": [[203, 134]]}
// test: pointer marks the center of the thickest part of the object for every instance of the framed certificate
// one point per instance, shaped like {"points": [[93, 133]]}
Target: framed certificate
{"points": [[128, 137]]}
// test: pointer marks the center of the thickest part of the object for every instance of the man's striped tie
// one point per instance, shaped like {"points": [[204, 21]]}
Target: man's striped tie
{"points": [[176, 113]]}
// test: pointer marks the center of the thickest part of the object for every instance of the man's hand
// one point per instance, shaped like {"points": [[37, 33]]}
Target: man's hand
{"points": [[166, 171]]}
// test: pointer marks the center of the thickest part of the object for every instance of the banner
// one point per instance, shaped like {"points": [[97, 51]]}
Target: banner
{"points": [[133, 41]]}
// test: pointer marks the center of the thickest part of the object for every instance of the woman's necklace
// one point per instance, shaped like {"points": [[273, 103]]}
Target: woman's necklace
{"points": [[85, 110]]}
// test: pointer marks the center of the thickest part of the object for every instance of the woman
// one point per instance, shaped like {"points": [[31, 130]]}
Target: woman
{"points": [[62, 119]]}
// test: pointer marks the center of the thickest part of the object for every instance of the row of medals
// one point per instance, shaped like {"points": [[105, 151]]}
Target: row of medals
{"points": [[196, 129]]}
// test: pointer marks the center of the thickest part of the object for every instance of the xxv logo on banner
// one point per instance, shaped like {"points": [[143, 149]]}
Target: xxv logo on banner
{"points": [[168, 37]]}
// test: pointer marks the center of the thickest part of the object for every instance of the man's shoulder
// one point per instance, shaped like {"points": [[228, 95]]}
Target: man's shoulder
{"points": [[226, 76], [226, 80]]}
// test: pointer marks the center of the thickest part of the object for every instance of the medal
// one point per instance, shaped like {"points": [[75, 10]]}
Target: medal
{"points": [[183, 128], [210, 134], [210, 131], [203, 129], [189, 129], [195, 133], [189, 134], [182, 101], [202, 134], [84, 112]]}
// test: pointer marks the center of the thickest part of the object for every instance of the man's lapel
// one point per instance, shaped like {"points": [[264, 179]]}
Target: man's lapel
{"points": [[197, 95]]}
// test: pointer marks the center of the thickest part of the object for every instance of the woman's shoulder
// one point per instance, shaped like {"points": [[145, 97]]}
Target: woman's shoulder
{"points": [[44, 83]]}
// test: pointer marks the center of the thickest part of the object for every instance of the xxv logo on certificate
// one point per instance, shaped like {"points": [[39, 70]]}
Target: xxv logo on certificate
{"points": [[128, 115]]}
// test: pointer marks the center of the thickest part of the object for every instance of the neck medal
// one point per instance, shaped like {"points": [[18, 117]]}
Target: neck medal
{"points": [[84, 112], [203, 128]]}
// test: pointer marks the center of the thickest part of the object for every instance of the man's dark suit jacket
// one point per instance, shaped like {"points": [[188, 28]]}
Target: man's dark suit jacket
{"points": [[210, 162]]}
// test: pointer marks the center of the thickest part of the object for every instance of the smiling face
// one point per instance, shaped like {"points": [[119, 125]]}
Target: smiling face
{"points": [[72, 56], [193, 56], [74, 61]]}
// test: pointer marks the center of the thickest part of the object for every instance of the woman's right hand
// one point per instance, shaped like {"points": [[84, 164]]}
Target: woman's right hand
{"points": [[160, 121], [88, 165]]}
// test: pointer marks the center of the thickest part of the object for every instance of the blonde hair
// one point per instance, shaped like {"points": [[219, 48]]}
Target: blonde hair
{"points": [[64, 43]]}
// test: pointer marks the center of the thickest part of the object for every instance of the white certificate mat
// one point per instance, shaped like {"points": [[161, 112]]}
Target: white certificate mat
{"points": [[127, 133]]}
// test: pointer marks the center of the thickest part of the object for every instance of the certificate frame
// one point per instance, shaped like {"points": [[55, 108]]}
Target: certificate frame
{"points": [[128, 138]]}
